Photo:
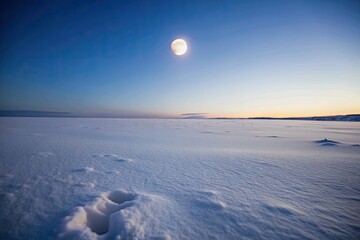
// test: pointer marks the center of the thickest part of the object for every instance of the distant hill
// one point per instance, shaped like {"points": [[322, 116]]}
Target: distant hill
{"points": [[349, 118]]}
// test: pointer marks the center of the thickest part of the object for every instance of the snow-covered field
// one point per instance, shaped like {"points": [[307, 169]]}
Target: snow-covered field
{"points": [[178, 179]]}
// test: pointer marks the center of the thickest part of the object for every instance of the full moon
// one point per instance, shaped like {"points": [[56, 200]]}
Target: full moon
{"points": [[179, 47]]}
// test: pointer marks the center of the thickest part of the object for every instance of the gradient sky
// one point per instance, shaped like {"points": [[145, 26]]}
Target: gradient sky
{"points": [[245, 58]]}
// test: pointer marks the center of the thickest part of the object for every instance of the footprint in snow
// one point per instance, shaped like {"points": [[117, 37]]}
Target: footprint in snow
{"points": [[96, 216], [114, 215]]}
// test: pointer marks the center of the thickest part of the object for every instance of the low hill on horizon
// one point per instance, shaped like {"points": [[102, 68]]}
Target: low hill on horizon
{"points": [[348, 118]]}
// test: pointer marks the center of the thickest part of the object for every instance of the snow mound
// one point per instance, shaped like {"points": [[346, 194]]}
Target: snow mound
{"points": [[326, 142], [281, 208], [10, 197], [86, 185], [113, 157], [270, 136], [114, 215], [46, 154], [85, 170], [209, 199]]}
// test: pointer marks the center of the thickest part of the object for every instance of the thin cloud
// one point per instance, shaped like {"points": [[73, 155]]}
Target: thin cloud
{"points": [[193, 114]]}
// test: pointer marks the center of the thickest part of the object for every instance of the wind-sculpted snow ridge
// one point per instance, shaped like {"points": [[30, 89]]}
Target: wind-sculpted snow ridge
{"points": [[326, 142], [115, 215], [209, 199]]}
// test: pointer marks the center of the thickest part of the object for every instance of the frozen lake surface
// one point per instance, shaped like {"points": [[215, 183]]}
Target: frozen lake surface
{"points": [[178, 179]]}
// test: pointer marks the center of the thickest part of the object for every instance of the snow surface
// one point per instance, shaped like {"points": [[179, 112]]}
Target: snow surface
{"points": [[178, 179]]}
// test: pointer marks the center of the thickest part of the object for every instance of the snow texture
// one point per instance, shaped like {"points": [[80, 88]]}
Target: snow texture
{"points": [[68, 178]]}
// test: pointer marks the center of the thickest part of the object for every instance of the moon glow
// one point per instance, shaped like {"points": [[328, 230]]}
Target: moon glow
{"points": [[179, 47]]}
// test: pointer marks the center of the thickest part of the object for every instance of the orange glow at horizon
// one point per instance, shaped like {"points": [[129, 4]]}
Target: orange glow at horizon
{"points": [[282, 114]]}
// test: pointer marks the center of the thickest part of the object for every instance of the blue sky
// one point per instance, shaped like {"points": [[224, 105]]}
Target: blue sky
{"points": [[245, 58]]}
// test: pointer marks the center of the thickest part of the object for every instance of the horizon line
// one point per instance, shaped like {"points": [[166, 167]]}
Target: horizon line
{"points": [[195, 116]]}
